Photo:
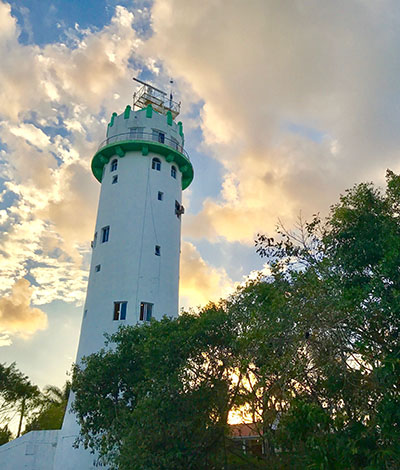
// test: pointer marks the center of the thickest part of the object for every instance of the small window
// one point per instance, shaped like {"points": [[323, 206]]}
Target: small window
{"points": [[85, 313], [173, 171], [120, 310], [157, 250], [146, 310], [179, 209], [97, 268], [114, 165], [158, 136], [160, 196], [156, 164], [115, 179], [105, 234]]}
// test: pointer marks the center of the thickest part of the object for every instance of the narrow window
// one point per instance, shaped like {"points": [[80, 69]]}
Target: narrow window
{"points": [[146, 310], [158, 136], [173, 171], [97, 268], [156, 164], [115, 179], [84, 313], [160, 196], [114, 165], [157, 250], [120, 310], [179, 209], [105, 234]]}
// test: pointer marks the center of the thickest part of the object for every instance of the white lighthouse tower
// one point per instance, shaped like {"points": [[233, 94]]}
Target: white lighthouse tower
{"points": [[134, 272]]}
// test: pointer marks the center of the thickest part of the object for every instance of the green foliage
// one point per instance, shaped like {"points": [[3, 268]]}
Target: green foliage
{"points": [[17, 395], [160, 396], [51, 409], [311, 354], [5, 435]]}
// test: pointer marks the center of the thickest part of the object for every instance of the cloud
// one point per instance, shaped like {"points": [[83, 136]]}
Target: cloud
{"points": [[200, 283], [297, 102], [84, 72], [55, 102], [32, 134], [300, 101], [17, 317]]}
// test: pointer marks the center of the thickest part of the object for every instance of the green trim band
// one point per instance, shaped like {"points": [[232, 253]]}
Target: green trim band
{"points": [[103, 156]]}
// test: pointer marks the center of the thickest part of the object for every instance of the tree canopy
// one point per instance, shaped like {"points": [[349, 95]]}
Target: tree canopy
{"points": [[51, 406], [309, 353], [17, 396], [20, 398]]}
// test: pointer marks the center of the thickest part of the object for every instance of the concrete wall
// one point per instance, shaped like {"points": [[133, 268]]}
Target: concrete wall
{"points": [[32, 451]]}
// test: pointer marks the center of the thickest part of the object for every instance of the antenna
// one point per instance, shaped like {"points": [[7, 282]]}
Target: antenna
{"points": [[150, 95], [149, 86]]}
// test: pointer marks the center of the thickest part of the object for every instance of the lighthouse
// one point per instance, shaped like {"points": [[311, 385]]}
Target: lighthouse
{"points": [[134, 273]]}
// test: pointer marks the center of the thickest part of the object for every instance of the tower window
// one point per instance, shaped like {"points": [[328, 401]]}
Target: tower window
{"points": [[156, 164], [173, 171], [120, 310], [114, 165], [160, 196], [97, 268], [115, 179], [105, 234], [146, 310], [158, 136], [157, 250]]}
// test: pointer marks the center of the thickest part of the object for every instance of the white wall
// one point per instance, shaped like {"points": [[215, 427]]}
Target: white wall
{"points": [[130, 271], [32, 451]]}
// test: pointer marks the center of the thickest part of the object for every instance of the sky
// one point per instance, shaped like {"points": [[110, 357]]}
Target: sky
{"points": [[284, 105]]}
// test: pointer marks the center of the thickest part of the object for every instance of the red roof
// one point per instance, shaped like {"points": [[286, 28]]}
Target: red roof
{"points": [[244, 430]]}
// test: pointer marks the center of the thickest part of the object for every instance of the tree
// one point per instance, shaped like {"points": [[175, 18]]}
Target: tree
{"points": [[5, 435], [310, 354], [344, 291], [17, 395], [51, 409], [160, 395]]}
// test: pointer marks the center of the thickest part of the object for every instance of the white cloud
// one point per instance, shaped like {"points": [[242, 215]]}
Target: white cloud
{"points": [[262, 70], [17, 317], [32, 134], [201, 283], [46, 228]]}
